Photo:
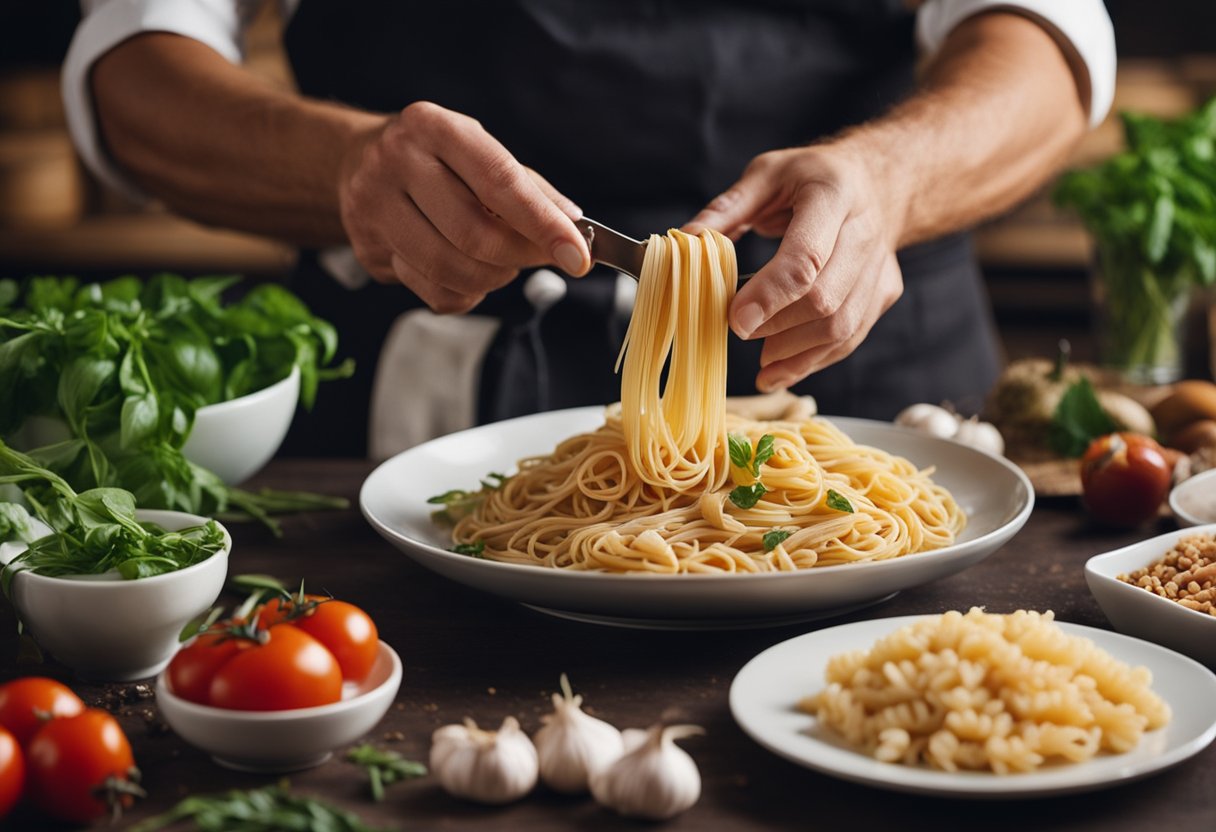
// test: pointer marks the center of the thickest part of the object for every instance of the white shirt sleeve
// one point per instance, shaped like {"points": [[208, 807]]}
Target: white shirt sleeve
{"points": [[219, 24], [1083, 24]]}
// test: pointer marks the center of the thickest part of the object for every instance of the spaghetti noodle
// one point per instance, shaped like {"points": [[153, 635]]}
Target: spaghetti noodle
{"points": [[672, 483]]}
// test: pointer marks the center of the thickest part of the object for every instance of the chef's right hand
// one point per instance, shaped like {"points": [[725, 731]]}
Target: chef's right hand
{"points": [[430, 199]]}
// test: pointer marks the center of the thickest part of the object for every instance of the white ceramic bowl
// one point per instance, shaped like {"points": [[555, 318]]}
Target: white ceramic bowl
{"points": [[234, 439], [105, 627], [1145, 614], [279, 741], [1184, 499]]}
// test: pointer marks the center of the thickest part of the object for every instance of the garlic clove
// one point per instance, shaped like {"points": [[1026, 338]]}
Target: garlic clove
{"points": [[492, 767], [655, 779], [982, 436], [573, 745], [930, 419]]}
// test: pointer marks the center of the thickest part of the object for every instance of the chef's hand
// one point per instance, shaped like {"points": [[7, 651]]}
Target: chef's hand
{"points": [[432, 200], [835, 272]]}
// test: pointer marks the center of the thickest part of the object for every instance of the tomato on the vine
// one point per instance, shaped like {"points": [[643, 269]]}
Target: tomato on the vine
{"points": [[291, 670], [25, 704], [12, 772], [195, 665], [1124, 478], [348, 632], [80, 767]]}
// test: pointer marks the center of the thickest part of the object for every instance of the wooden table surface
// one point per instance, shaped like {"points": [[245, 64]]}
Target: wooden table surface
{"points": [[468, 654]]}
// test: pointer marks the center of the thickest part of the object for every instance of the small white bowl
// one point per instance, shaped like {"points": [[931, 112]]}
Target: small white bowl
{"points": [[104, 627], [1183, 499], [1138, 612], [281, 741], [234, 439]]}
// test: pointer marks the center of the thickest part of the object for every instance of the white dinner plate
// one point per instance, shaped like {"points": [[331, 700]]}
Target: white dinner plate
{"points": [[765, 693], [993, 492]]}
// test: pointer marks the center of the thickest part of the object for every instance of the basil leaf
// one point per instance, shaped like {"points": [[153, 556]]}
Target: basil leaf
{"points": [[740, 448], [452, 496], [764, 452], [474, 549], [746, 496], [1078, 420], [140, 416], [775, 537], [79, 384], [838, 501]]}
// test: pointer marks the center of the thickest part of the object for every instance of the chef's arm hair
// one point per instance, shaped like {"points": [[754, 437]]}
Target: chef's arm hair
{"points": [[220, 145]]}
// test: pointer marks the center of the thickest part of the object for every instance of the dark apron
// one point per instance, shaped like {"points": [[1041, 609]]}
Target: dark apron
{"points": [[641, 112]]}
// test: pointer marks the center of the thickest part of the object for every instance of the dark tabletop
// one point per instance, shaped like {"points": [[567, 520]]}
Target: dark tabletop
{"points": [[469, 654]]}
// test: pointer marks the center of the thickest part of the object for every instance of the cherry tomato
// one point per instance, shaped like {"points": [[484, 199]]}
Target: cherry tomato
{"points": [[12, 772], [25, 704], [1124, 477], [79, 767], [291, 670], [348, 632], [195, 665]]}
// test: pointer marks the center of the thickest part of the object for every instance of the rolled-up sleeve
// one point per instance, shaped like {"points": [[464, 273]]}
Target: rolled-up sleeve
{"points": [[219, 24], [1084, 25]]}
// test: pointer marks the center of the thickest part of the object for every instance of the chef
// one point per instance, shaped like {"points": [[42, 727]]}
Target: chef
{"points": [[436, 154]]}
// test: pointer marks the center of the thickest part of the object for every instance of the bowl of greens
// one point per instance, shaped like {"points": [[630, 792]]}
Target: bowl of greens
{"points": [[105, 588], [234, 439], [170, 388]]}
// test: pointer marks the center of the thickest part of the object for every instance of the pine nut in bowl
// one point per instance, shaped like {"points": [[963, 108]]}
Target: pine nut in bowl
{"points": [[1180, 619], [286, 740], [105, 627], [1193, 500]]}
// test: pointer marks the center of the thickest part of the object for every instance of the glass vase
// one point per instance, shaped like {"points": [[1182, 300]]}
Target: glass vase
{"points": [[1140, 316]]}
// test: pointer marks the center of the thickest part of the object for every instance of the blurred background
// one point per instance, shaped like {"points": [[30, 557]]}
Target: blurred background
{"points": [[56, 219]]}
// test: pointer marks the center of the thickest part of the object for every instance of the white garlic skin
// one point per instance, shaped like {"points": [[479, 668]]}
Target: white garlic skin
{"points": [[491, 767], [573, 745], [928, 418], [654, 780], [981, 436]]}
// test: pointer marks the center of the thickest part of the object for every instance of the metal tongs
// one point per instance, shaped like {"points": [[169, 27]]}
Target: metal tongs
{"points": [[614, 249]]}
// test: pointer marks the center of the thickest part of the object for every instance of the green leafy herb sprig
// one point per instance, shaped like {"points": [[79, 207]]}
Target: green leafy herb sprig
{"points": [[383, 767], [1078, 420], [127, 363], [1152, 210], [742, 456], [268, 809], [95, 531]]}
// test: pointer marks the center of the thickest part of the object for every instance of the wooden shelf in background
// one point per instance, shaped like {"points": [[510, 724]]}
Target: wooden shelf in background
{"points": [[143, 242]]}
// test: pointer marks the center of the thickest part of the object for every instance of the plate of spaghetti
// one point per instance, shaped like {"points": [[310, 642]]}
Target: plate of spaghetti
{"points": [[667, 509]]}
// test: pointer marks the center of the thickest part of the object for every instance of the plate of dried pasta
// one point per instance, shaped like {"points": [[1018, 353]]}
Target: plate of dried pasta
{"points": [[976, 705]]}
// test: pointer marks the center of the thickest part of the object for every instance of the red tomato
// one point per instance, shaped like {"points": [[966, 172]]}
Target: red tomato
{"points": [[26, 703], [12, 772], [348, 632], [291, 670], [195, 665], [79, 767], [1124, 477]]}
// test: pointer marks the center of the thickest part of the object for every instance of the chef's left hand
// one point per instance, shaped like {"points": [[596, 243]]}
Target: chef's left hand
{"points": [[835, 272]]}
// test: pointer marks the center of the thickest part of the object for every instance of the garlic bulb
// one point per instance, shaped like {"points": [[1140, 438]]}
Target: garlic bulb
{"points": [[654, 779], [928, 418], [486, 766], [573, 745], [981, 436]]}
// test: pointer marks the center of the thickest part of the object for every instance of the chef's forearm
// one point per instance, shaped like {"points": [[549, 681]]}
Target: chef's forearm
{"points": [[998, 112], [220, 145]]}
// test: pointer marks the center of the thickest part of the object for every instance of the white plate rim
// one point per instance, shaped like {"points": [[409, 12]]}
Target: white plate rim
{"points": [[853, 765], [1017, 520]]}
